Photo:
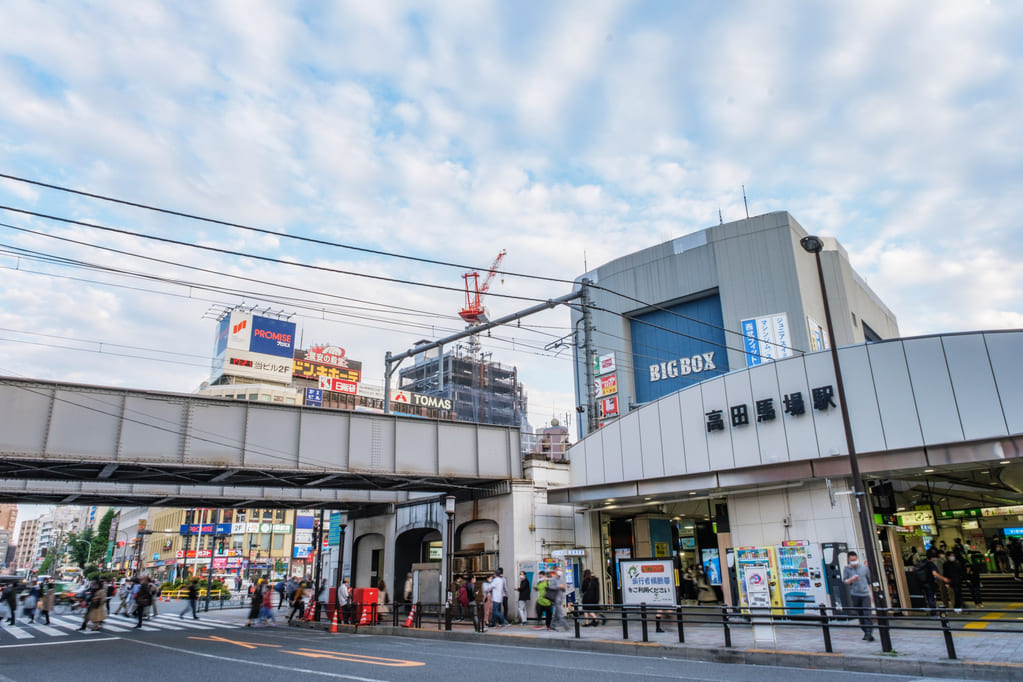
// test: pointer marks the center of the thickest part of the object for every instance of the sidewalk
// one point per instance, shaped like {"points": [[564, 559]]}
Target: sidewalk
{"points": [[981, 655]]}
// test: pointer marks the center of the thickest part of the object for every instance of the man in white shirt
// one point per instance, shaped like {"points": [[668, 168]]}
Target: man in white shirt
{"points": [[498, 589], [344, 600]]}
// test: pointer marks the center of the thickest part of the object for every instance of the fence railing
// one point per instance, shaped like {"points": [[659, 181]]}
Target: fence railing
{"points": [[822, 620]]}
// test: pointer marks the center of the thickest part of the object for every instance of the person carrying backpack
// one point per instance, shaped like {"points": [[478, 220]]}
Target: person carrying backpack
{"points": [[927, 575], [544, 606]]}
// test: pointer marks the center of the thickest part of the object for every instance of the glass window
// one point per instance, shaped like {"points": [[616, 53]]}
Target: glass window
{"points": [[279, 541], [253, 396], [264, 541]]}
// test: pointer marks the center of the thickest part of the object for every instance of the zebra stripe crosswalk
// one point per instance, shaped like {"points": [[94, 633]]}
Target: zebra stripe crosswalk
{"points": [[68, 625]]}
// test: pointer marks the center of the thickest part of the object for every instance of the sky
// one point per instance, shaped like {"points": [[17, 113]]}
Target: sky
{"points": [[567, 133]]}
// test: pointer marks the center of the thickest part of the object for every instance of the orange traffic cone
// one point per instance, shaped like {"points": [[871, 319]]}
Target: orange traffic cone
{"points": [[364, 618], [411, 617], [333, 623]]}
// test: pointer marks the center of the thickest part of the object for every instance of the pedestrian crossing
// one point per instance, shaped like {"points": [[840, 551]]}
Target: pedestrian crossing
{"points": [[68, 626]]}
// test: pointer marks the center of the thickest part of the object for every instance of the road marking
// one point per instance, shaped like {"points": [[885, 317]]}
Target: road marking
{"points": [[65, 641], [48, 630], [288, 668], [160, 626], [246, 645], [18, 632], [984, 621], [356, 658], [186, 625]]}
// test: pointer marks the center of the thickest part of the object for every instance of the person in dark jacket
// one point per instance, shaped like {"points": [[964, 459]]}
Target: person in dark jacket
{"points": [[953, 571], [193, 598], [524, 591], [591, 597], [143, 599]]}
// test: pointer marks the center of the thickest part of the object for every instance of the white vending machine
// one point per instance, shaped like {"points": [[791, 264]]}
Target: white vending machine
{"points": [[801, 576]]}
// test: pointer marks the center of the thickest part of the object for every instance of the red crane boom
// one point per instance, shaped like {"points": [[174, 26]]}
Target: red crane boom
{"points": [[474, 312]]}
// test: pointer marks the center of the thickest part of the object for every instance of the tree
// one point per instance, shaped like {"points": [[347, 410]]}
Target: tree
{"points": [[102, 539], [79, 545], [44, 568]]}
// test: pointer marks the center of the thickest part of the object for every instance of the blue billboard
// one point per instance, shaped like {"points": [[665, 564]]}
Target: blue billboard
{"points": [[679, 346], [272, 337]]}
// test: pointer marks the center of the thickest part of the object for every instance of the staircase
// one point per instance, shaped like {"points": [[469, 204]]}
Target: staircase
{"points": [[1000, 587]]}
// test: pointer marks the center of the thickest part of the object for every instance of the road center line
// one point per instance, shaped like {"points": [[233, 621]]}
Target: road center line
{"points": [[288, 668]]}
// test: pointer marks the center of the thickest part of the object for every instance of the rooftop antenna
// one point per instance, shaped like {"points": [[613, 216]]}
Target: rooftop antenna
{"points": [[586, 268], [721, 220], [744, 201]]}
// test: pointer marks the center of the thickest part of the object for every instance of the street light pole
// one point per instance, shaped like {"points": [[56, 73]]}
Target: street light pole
{"points": [[449, 509], [814, 245]]}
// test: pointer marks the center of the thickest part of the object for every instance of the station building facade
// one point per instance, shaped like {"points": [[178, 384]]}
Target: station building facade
{"points": [[721, 443]]}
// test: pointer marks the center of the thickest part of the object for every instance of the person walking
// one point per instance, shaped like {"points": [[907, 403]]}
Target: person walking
{"points": [[47, 602], [928, 576], [543, 602], [407, 592], [89, 592], [193, 598], [383, 610], [143, 599], [973, 580], [28, 602], [344, 600], [290, 587], [466, 597], [256, 595], [556, 593], [488, 601], [266, 611], [97, 612], [498, 591], [705, 594], [1015, 551], [297, 602], [856, 576], [10, 597], [524, 592], [591, 598], [954, 573], [156, 590]]}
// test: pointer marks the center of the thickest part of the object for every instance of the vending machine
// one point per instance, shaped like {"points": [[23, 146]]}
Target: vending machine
{"points": [[801, 576], [754, 563]]}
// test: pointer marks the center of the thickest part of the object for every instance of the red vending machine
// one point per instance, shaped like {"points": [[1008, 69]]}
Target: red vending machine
{"points": [[364, 601]]}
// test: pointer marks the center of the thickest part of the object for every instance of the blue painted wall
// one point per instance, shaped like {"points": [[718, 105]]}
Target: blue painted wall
{"points": [[664, 361]]}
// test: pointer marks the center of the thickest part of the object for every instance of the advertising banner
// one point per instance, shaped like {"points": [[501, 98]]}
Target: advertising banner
{"points": [[712, 565], [609, 407], [334, 533], [651, 582], [604, 364], [273, 337], [766, 338], [339, 386], [303, 551], [238, 332], [758, 590], [303, 537], [255, 366], [307, 368], [607, 385], [205, 529]]}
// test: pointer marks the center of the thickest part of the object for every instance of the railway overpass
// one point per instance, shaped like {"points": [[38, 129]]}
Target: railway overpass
{"points": [[72, 443]]}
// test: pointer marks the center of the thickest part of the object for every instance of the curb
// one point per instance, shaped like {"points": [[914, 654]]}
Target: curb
{"points": [[881, 664]]}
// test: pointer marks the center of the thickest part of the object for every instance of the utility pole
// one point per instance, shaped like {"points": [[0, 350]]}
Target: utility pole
{"points": [[592, 423]]}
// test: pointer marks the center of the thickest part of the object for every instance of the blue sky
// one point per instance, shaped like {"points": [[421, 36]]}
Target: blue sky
{"points": [[452, 130]]}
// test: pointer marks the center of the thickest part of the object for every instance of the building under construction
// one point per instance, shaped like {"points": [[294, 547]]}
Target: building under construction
{"points": [[480, 391]]}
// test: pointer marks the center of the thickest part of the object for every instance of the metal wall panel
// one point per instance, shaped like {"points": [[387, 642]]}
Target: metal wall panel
{"points": [[719, 443], [932, 388], [595, 459], [493, 454], [894, 395], [216, 434], [648, 430], [1005, 350], [456, 450], [271, 440], [152, 429], [615, 453], [745, 446], [578, 462], [694, 430], [24, 409], [827, 424], [84, 425], [799, 432], [415, 447], [864, 417], [770, 433], [969, 367], [323, 440], [669, 415]]}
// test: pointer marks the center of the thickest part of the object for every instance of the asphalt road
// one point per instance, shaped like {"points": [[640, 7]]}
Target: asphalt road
{"points": [[222, 650]]}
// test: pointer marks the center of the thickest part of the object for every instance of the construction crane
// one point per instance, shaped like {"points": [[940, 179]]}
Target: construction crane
{"points": [[474, 313]]}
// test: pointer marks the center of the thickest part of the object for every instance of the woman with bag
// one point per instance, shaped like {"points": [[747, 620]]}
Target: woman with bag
{"points": [[97, 608]]}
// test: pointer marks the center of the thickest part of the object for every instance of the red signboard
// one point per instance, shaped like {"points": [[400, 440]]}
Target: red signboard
{"points": [[609, 407], [202, 554], [608, 385], [338, 385]]}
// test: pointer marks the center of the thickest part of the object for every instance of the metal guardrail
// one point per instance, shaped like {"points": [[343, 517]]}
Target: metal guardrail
{"points": [[824, 618]]}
